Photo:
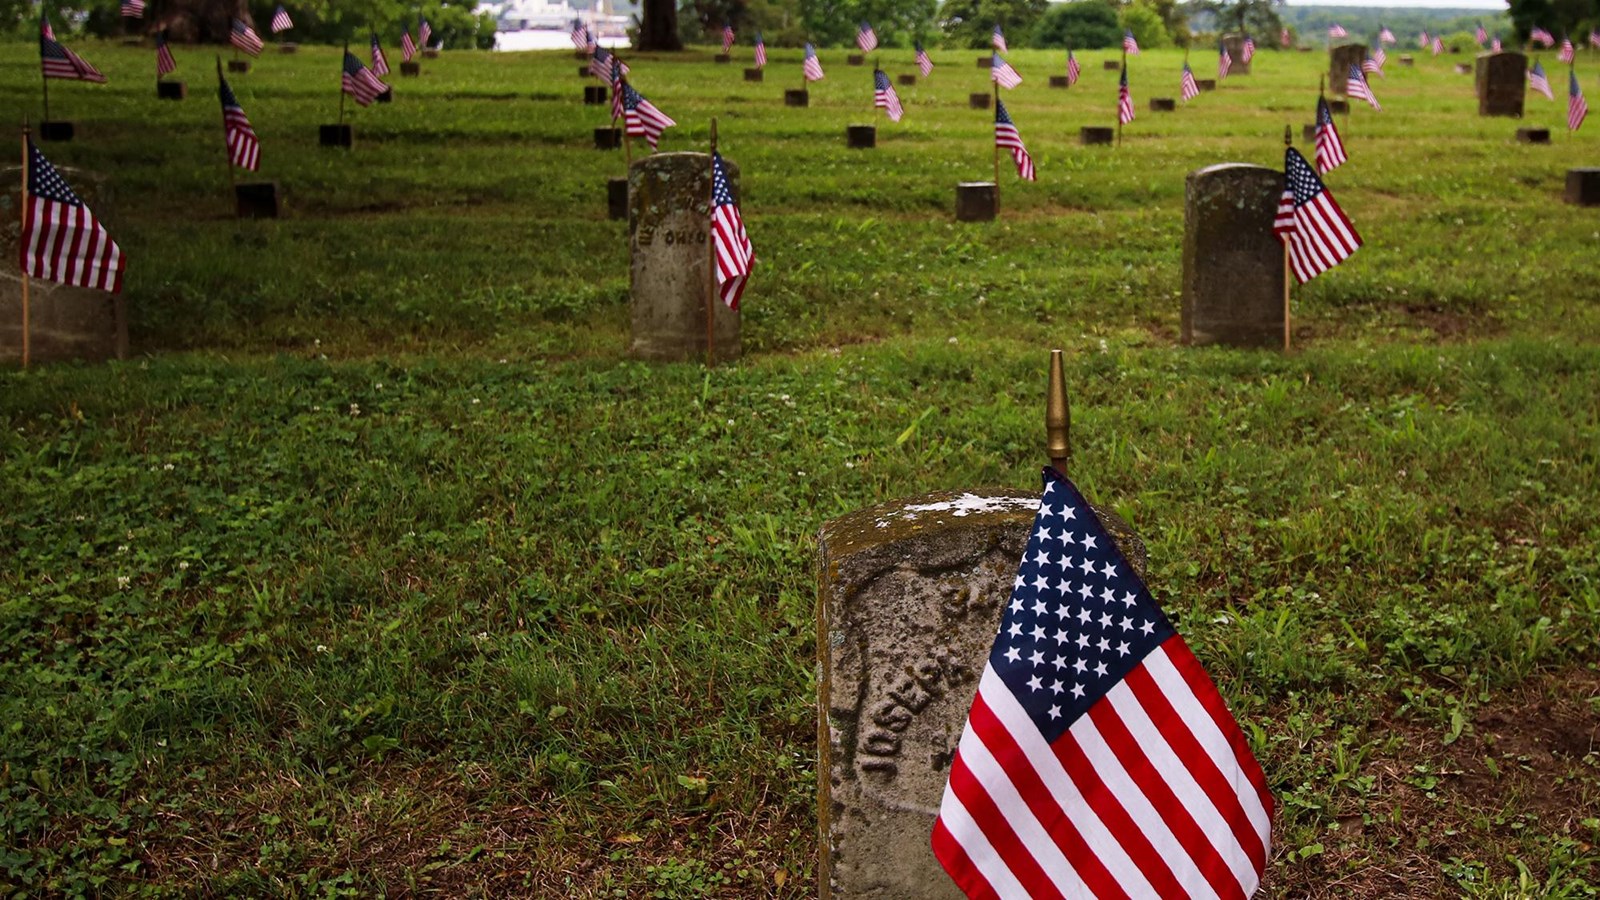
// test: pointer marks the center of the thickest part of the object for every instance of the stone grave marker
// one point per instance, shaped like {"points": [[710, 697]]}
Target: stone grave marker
{"points": [[1232, 262], [171, 90], [855, 59], [1111, 65], [335, 136], [1339, 107], [1308, 133], [985, 62], [906, 80], [1502, 83], [1096, 134], [594, 94], [288, 48], [1533, 135], [1407, 60], [256, 200], [607, 138], [1163, 104], [1205, 85], [1235, 45], [977, 201], [616, 198], [238, 65], [411, 69], [796, 98], [722, 59], [979, 101], [1340, 59], [668, 223], [1583, 187], [1060, 81], [861, 137], [755, 74]]}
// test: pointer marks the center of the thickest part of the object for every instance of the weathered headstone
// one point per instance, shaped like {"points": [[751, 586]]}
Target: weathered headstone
{"points": [[430, 53], [171, 90], [1163, 104], [979, 101], [616, 198], [722, 59], [411, 69], [1463, 69], [1060, 81], [256, 200], [1340, 59], [1583, 187], [976, 201], [755, 74], [238, 65], [1235, 45], [906, 80], [288, 48], [910, 596], [583, 72], [1096, 134], [1111, 65], [1341, 107], [387, 96], [855, 59], [335, 136], [796, 98], [1502, 82], [1533, 135], [1407, 60], [1232, 262], [1308, 133], [57, 131], [607, 138], [594, 94], [64, 323], [985, 62], [1205, 85], [668, 223], [861, 137]]}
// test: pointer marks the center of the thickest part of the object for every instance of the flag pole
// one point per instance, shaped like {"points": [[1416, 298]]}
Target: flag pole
{"points": [[997, 152], [711, 249], [1057, 416], [1288, 141], [227, 155], [46, 80], [341, 82], [1119, 95], [27, 342], [627, 142]]}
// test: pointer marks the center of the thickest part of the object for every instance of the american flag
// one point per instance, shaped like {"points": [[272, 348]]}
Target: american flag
{"points": [[580, 35], [924, 62], [358, 81], [1001, 73], [1577, 107], [1538, 81], [59, 62], [1098, 759], [727, 36], [866, 38], [1438, 45], [1247, 50], [244, 150], [1330, 149], [1284, 40], [1494, 44], [884, 97], [1594, 37], [1380, 55], [812, 67], [1310, 221], [164, 61], [1542, 36], [244, 37], [732, 250], [1372, 66], [1224, 60], [591, 41], [1337, 31], [617, 109], [644, 120], [425, 32], [1007, 138], [1124, 100], [61, 241], [1422, 39], [761, 51], [1356, 86], [1187, 87], [999, 39], [1385, 36], [1073, 69], [1480, 35], [133, 9], [1567, 52], [600, 63], [1129, 45], [407, 48], [280, 20], [380, 63]]}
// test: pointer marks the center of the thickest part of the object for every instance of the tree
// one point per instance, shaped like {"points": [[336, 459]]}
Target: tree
{"points": [[1146, 25], [1257, 17], [658, 25], [1559, 16], [971, 22], [1081, 25]]}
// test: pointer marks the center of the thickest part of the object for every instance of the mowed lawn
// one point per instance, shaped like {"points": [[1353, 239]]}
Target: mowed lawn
{"points": [[381, 569]]}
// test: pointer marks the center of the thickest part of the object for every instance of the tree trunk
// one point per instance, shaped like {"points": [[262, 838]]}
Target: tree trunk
{"points": [[658, 25]]}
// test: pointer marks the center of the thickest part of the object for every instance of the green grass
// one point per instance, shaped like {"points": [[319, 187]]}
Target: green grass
{"points": [[381, 569]]}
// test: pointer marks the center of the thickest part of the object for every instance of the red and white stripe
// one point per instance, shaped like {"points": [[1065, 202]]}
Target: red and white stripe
{"points": [[1322, 237], [1187, 88], [245, 38], [1007, 138], [1152, 793], [64, 243], [1124, 104], [243, 147], [1567, 52], [1577, 107], [1073, 69], [727, 38], [1330, 148], [761, 52], [408, 48]]}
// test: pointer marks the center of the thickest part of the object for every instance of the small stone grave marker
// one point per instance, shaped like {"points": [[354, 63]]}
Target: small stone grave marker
{"points": [[1232, 260], [976, 201], [171, 90], [796, 98], [979, 101], [861, 137], [1096, 134], [1533, 135], [755, 75], [1583, 187], [1163, 104]]}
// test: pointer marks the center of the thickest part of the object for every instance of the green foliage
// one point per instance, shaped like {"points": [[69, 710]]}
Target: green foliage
{"points": [[970, 23], [1146, 25], [1081, 24], [457, 24], [833, 23], [1257, 17], [1573, 17]]}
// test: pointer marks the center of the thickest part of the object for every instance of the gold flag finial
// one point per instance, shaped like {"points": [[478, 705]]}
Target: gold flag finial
{"points": [[1057, 416]]}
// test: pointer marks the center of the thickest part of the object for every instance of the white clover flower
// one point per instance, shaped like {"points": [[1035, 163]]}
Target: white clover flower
{"points": [[322, 648], [122, 582], [183, 566]]}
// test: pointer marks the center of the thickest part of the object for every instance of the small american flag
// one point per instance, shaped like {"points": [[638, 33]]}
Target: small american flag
{"points": [[761, 51], [600, 63], [617, 108], [727, 36], [884, 97], [1129, 45], [61, 241], [1224, 60], [1539, 82], [1124, 99], [58, 62], [1594, 37], [1372, 66], [1330, 149], [425, 32], [1310, 221], [1098, 759], [1542, 36], [1187, 88], [133, 9], [244, 150], [591, 41], [1385, 36], [1567, 51], [866, 38], [1357, 86], [408, 49], [1001, 73], [1007, 138], [1380, 55], [1481, 34], [644, 120], [732, 251], [280, 20], [580, 35], [244, 37], [164, 61], [924, 62], [1422, 39], [1247, 50], [1577, 107], [812, 67], [1073, 69], [358, 81], [1494, 44], [1337, 31], [1438, 45], [380, 63], [999, 39], [1284, 39]]}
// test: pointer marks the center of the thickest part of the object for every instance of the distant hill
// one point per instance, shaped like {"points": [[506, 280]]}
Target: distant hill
{"points": [[1405, 22]]}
